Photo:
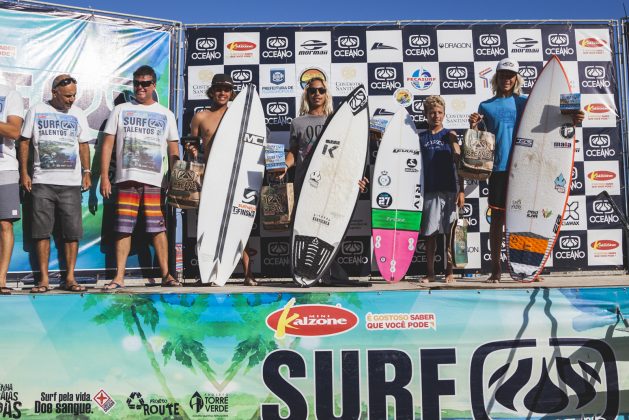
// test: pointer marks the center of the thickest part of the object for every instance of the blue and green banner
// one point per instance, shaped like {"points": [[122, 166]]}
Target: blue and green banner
{"points": [[499, 354], [101, 55]]}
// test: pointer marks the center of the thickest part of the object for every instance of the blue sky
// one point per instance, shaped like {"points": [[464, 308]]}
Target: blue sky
{"points": [[216, 11]]}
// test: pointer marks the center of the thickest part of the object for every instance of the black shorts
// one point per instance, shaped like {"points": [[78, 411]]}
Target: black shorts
{"points": [[498, 190], [50, 201]]}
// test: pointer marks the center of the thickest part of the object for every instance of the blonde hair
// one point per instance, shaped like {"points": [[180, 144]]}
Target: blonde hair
{"points": [[304, 108], [517, 86], [433, 100]]}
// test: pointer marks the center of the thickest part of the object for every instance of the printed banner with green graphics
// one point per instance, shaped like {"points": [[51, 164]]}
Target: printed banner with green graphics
{"points": [[36, 47], [508, 354]]}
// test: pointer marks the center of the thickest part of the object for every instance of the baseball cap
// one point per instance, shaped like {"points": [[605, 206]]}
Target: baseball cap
{"points": [[508, 64], [222, 79]]}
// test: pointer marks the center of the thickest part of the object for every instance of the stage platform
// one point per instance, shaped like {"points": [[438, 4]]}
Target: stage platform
{"points": [[377, 284]]}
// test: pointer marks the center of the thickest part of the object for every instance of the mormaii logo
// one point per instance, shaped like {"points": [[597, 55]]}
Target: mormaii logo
{"points": [[311, 320], [241, 46], [604, 244], [601, 175], [596, 108], [592, 43]]}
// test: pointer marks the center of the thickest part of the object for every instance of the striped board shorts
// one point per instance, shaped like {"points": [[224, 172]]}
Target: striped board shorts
{"points": [[132, 196]]}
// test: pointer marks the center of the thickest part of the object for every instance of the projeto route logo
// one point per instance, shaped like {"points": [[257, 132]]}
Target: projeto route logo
{"points": [[311, 320]]}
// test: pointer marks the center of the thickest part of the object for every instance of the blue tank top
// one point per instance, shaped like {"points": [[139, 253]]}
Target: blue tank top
{"points": [[439, 169]]}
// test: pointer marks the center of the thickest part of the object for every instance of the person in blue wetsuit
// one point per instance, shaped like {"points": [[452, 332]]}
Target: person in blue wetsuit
{"points": [[443, 189], [501, 115]]}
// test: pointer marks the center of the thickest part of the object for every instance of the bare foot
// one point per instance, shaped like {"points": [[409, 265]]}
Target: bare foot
{"points": [[250, 281], [450, 278], [539, 279], [494, 278], [427, 279]]}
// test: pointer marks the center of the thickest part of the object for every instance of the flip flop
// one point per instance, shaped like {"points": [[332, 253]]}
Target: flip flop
{"points": [[5, 290], [40, 289], [170, 282], [73, 287], [112, 285]]}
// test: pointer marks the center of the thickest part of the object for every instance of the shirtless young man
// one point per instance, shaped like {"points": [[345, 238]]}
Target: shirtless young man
{"points": [[205, 124]]}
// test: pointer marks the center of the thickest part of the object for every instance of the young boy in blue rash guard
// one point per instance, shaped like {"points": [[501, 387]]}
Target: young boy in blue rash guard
{"points": [[443, 189], [501, 116]]}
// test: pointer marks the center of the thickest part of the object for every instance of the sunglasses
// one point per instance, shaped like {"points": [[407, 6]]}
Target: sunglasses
{"points": [[143, 83], [64, 82], [222, 88], [313, 90]]}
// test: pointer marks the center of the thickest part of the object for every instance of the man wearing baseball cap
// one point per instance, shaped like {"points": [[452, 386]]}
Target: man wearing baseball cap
{"points": [[204, 124], [501, 116]]}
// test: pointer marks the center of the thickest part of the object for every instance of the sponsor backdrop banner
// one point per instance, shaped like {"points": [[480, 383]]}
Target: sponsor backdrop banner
{"points": [[102, 57], [401, 66], [558, 353]]}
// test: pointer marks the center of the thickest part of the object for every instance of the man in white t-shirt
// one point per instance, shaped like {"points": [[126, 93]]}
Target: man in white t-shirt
{"points": [[59, 133], [11, 118], [145, 135]]}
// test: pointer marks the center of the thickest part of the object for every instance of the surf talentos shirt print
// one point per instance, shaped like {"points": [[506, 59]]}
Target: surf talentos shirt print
{"points": [[56, 136], [142, 136]]}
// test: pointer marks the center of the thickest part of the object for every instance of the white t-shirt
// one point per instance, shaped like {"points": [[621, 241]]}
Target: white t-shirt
{"points": [[56, 136], [10, 104], [142, 135]]}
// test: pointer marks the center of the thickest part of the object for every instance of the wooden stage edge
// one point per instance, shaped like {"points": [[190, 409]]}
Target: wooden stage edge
{"points": [[363, 284]]}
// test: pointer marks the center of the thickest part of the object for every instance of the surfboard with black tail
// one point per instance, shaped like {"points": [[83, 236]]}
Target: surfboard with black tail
{"points": [[330, 190], [231, 187], [539, 176]]}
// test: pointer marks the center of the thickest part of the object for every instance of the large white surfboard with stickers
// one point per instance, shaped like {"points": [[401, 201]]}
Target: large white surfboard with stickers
{"points": [[540, 174], [330, 190], [231, 187], [397, 199]]}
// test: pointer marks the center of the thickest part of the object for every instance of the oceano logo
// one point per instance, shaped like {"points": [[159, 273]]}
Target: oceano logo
{"points": [[419, 41], [358, 100], [206, 44], [352, 248], [418, 106], [599, 140], [569, 243], [277, 43], [602, 207], [456, 73], [467, 210], [528, 72], [277, 249], [242, 75], [385, 73], [277, 108], [558, 40], [595, 72], [489, 40], [348, 41]]}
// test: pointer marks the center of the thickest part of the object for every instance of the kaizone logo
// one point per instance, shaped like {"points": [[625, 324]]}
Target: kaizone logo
{"points": [[310, 320]]}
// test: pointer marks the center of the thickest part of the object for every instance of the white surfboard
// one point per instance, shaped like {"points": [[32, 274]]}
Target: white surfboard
{"points": [[540, 174], [330, 190], [397, 197], [231, 187]]}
